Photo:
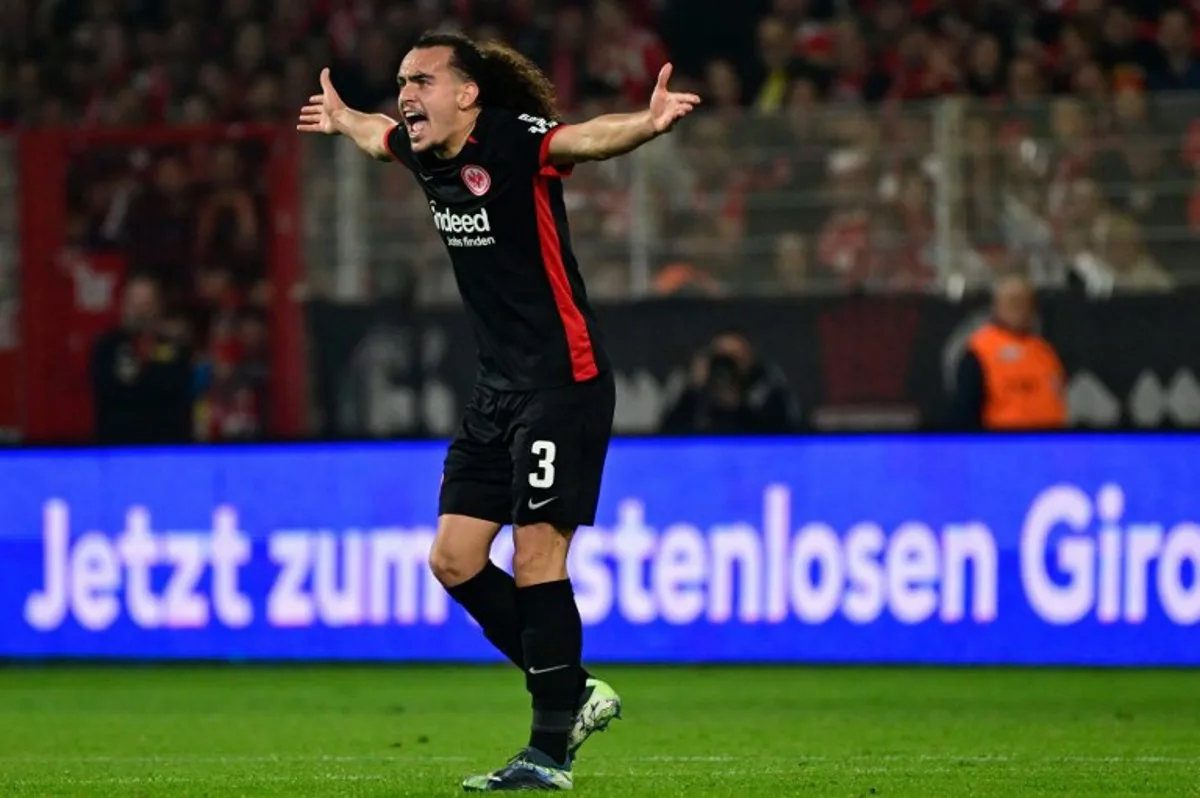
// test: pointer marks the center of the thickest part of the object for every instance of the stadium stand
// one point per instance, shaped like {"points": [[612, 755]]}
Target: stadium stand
{"points": [[881, 146]]}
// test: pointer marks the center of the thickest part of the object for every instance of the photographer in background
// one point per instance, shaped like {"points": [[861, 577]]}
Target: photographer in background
{"points": [[732, 391], [141, 375]]}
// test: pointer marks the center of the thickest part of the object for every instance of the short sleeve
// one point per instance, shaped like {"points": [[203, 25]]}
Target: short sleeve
{"points": [[397, 144], [526, 138]]}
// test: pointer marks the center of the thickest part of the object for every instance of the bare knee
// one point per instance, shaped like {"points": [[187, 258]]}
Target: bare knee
{"points": [[450, 567], [461, 549], [540, 554]]}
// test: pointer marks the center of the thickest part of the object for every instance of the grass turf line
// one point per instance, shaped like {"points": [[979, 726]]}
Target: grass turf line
{"points": [[373, 731]]}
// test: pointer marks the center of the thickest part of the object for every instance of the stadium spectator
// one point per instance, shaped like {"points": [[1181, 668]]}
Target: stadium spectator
{"points": [[856, 76], [1178, 68], [792, 272], [985, 73], [1026, 86], [1088, 82], [1128, 57], [777, 65], [141, 375], [731, 390], [1010, 377], [1076, 50], [1130, 266], [723, 88]]}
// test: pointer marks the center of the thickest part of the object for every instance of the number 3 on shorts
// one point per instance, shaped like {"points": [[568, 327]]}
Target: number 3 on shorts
{"points": [[543, 476]]}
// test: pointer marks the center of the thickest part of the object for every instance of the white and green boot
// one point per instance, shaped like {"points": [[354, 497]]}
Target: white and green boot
{"points": [[598, 706], [529, 770]]}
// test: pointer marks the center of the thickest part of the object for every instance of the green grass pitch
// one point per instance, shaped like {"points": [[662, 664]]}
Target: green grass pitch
{"points": [[402, 731]]}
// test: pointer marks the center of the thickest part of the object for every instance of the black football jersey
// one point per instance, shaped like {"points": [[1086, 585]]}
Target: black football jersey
{"points": [[499, 208]]}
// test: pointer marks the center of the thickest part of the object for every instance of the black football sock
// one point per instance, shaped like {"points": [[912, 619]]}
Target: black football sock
{"points": [[490, 597], [575, 634], [553, 644]]}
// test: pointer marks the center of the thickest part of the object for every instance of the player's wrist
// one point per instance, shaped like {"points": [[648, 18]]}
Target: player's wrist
{"points": [[649, 125], [341, 119]]}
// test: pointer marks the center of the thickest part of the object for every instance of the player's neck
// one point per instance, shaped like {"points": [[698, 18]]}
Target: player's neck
{"points": [[459, 139]]}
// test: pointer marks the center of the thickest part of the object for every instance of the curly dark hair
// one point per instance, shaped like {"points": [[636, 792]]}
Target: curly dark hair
{"points": [[506, 78]]}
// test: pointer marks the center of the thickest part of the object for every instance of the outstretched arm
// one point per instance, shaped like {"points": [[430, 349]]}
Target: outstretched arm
{"points": [[327, 113], [616, 134], [366, 130]]}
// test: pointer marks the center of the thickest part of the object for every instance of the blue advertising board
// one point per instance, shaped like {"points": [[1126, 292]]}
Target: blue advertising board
{"points": [[1025, 550]]}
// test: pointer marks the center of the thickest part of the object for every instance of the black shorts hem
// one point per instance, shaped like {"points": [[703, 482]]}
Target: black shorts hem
{"points": [[487, 502], [565, 520]]}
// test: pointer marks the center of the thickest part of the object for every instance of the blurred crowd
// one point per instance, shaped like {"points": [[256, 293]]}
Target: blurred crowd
{"points": [[819, 165], [828, 158], [188, 219], [869, 146]]}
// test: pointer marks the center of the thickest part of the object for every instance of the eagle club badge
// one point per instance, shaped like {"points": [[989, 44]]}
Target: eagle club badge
{"points": [[476, 179]]}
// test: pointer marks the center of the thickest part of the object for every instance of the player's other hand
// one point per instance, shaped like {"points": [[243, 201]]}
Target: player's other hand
{"points": [[668, 107], [317, 116]]}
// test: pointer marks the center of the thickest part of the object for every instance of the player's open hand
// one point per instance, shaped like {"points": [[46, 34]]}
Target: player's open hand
{"points": [[668, 107], [317, 116]]}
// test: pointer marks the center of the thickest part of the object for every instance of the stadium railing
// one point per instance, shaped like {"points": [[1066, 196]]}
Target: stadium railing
{"points": [[931, 196]]}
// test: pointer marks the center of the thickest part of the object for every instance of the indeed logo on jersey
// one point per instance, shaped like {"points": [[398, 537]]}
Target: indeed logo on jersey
{"points": [[451, 224]]}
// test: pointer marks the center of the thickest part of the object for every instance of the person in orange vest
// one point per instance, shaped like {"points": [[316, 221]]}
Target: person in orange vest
{"points": [[1010, 377]]}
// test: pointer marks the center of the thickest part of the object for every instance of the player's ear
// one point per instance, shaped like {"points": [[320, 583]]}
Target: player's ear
{"points": [[468, 94]]}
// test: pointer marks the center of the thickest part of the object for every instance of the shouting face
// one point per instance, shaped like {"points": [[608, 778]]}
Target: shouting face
{"points": [[435, 98]]}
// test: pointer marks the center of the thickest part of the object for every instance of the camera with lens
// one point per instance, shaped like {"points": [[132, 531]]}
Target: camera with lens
{"points": [[725, 381]]}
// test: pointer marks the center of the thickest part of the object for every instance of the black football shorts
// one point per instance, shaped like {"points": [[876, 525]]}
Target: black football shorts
{"points": [[528, 457]]}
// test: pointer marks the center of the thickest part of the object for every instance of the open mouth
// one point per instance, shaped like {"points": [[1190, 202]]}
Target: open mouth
{"points": [[417, 123]]}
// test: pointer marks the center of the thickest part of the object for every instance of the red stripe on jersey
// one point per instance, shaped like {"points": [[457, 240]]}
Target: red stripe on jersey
{"points": [[579, 341], [547, 169], [387, 145]]}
